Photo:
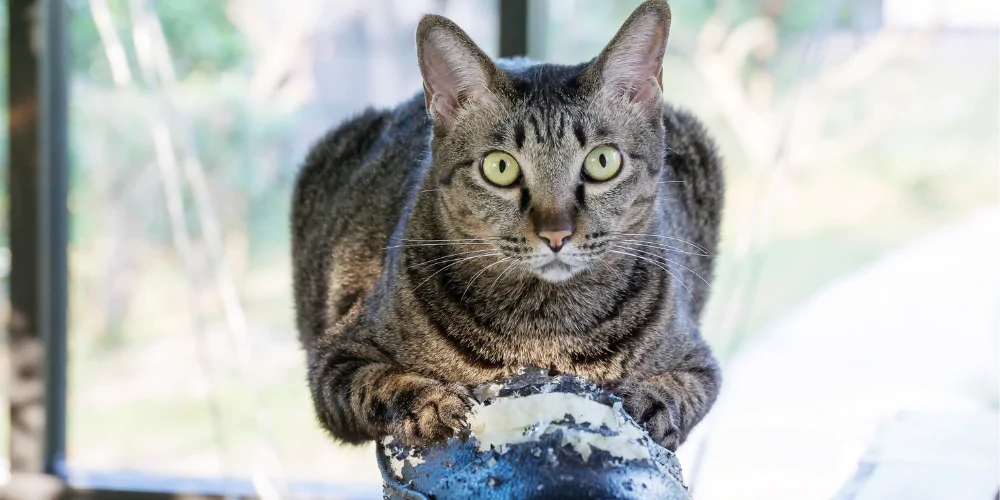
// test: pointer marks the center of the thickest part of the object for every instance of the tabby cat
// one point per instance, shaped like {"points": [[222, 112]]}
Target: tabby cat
{"points": [[513, 214]]}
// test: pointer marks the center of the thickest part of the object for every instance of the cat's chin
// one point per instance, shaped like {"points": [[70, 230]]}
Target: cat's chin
{"points": [[556, 272]]}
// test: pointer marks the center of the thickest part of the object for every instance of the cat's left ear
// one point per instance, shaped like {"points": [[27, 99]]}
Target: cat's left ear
{"points": [[632, 63], [457, 73]]}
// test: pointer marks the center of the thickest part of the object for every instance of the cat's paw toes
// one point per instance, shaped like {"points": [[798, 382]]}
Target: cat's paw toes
{"points": [[651, 408], [432, 413]]}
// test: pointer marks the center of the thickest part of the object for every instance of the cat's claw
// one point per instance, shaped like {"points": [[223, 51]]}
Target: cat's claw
{"points": [[647, 404]]}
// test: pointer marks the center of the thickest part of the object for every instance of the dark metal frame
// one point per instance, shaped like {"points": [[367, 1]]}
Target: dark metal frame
{"points": [[53, 194], [513, 27], [39, 238], [38, 232]]}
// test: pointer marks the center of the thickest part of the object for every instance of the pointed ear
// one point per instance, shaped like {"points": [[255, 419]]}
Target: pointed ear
{"points": [[632, 63], [457, 73]]}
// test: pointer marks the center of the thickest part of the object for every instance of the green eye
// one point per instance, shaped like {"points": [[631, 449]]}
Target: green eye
{"points": [[501, 169], [602, 163]]}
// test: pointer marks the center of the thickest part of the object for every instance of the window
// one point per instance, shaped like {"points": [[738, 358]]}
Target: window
{"points": [[188, 122], [845, 140], [840, 173]]}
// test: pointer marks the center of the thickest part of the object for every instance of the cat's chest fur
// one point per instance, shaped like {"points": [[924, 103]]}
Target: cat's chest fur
{"points": [[589, 328]]}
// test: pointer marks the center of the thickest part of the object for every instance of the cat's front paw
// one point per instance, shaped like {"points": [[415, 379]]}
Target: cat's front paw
{"points": [[652, 408], [430, 412]]}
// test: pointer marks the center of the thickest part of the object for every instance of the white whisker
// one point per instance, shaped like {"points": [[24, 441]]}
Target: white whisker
{"points": [[434, 245], [454, 240], [679, 280], [668, 260], [473, 280], [511, 266], [646, 235], [661, 246], [452, 265], [450, 256], [620, 276]]}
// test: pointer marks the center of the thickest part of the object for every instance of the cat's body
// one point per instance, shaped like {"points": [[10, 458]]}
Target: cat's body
{"points": [[415, 278]]}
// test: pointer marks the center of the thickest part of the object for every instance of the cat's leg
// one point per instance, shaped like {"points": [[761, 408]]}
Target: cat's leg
{"points": [[670, 403], [360, 393]]}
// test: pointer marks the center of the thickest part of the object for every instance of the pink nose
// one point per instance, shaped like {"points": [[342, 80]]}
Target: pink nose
{"points": [[555, 239]]}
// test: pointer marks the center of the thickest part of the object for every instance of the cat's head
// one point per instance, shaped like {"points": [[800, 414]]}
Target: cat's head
{"points": [[546, 163]]}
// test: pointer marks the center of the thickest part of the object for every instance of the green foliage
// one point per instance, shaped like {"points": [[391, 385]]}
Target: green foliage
{"points": [[809, 18], [113, 163], [201, 38], [796, 18], [693, 12]]}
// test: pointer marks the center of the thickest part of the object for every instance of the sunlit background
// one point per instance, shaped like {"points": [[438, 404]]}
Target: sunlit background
{"points": [[857, 274]]}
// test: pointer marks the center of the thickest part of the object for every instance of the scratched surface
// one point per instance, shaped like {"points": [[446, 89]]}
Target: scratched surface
{"points": [[544, 468]]}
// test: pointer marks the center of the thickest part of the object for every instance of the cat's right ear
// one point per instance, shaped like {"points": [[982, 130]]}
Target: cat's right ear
{"points": [[457, 73], [631, 65]]}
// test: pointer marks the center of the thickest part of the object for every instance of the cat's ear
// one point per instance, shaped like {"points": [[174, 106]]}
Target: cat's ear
{"points": [[632, 63], [456, 72]]}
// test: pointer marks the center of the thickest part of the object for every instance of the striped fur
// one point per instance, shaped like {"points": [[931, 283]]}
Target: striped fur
{"points": [[397, 326]]}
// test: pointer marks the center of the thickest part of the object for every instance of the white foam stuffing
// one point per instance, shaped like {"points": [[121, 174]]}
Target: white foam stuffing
{"points": [[510, 421], [492, 391]]}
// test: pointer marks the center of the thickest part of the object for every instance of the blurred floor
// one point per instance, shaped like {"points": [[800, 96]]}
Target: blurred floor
{"points": [[916, 331], [930, 456]]}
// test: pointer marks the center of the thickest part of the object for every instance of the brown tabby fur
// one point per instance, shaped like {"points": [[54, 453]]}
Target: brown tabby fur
{"points": [[415, 278]]}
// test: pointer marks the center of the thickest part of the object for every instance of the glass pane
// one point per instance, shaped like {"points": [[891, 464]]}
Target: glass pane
{"points": [[573, 31], [188, 123], [855, 135]]}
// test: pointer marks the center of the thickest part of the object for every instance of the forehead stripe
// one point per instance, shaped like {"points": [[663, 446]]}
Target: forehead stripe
{"points": [[537, 127], [581, 137], [519, 135]]}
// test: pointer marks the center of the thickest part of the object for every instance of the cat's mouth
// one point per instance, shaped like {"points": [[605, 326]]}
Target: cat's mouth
{"points": [[555, 265]]}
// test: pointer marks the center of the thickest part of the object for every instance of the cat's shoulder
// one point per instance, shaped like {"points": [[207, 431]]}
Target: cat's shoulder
{"points": [[689, 142], [682, 125]]}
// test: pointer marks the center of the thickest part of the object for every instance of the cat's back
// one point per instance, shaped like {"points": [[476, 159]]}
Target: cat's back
{"points": [[359, 148], [348, 198]]}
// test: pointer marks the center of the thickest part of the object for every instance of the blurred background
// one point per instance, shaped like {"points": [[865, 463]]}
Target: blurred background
{"points": [[857, 276]]}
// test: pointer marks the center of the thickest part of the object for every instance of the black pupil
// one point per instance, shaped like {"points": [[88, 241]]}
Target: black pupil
{"points": [[603, 160], [503, 166]]}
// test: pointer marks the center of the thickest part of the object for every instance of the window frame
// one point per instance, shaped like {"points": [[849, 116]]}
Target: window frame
{"points": [[38, 181]]}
